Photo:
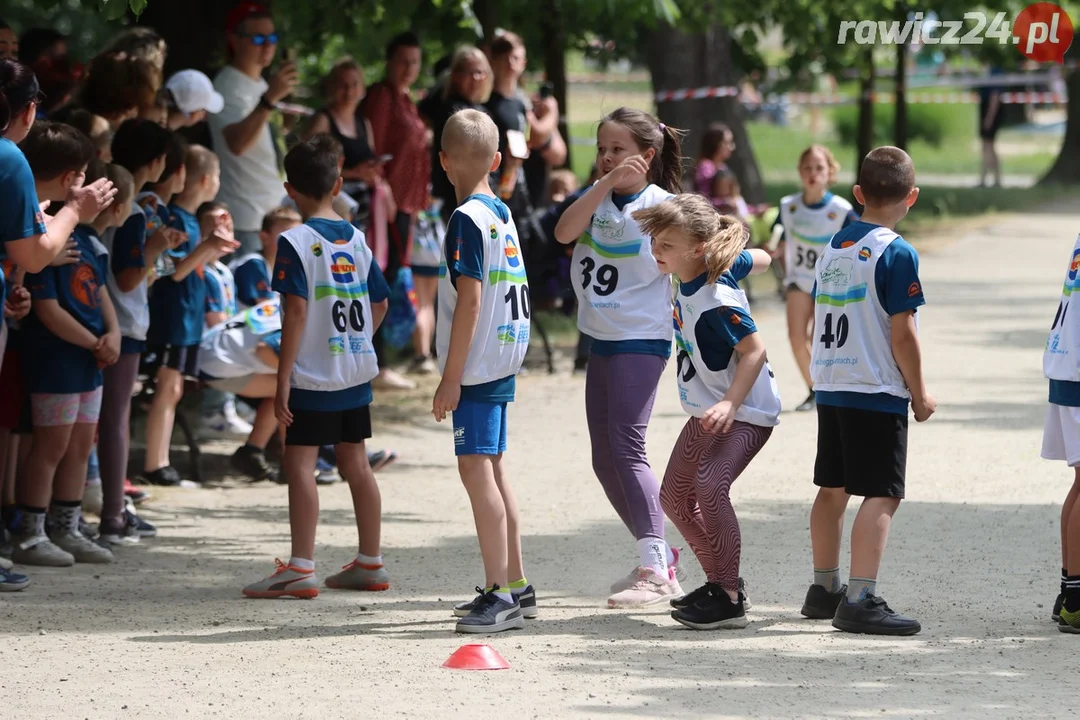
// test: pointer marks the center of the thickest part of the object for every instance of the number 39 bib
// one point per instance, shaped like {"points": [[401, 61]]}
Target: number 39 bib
{"points": [[807, 231], [621, 293], [852, 347], [335, 351]]}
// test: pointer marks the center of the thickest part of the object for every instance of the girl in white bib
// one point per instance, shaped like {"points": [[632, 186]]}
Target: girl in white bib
{"points": [[624, 304], [725, 384], [808, 219]]}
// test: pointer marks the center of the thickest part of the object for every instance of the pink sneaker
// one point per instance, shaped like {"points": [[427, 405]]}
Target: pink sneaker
{"points": [[625, 583], [648, 588]]}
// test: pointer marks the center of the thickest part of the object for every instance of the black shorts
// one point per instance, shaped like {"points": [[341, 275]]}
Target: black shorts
{"points": [[862, 451], [318, 428], [182, 358]]}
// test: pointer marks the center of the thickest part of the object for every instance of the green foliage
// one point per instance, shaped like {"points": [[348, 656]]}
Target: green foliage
{"points": [[933, 124]]}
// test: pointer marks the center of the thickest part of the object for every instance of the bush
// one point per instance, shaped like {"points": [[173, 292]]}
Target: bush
{"points": [[933, 124]]}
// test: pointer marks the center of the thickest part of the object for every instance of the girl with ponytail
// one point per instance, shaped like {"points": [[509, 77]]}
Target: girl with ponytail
{"points": [[624, 304], [725, 385]]}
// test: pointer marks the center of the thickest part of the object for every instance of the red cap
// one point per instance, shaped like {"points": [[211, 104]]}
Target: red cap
{"points": [[242, 12]]}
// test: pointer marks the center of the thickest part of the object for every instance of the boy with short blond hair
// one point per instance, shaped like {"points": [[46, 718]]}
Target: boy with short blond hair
{"points": [[252, 271], [483, 334], [867, 368]]}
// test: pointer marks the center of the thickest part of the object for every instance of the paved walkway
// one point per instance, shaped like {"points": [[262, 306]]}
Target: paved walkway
{"points": [[165, 632]]}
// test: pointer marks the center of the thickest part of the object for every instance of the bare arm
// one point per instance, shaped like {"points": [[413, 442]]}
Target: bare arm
{"points": [[216, 318], [904, 339], [378, 314], [751, 352], [463, 328], [60, 323], [762, 260], [239, 137], [37, 251], [129, 279], [294, 317], [578, 216]]}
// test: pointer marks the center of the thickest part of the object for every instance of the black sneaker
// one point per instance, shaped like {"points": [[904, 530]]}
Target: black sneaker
{"points": [[873, 616], [491, 614], [820, 604], [250, 461], [168, 476], [694, 595], [1056, 614], [712, 611], [526, 600], [808, 403]]}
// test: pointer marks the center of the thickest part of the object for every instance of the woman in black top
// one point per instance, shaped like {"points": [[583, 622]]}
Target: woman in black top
{"points": [[467, 86], [344, 88]]}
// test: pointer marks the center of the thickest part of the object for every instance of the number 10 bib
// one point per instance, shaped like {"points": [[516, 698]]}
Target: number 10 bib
{"points": [[852, 346], [621, 293]]}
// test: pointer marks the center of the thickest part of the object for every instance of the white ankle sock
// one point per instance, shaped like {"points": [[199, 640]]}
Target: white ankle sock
{"points": [[368, 560], [654, 554], [302, 564], [505, 595]]}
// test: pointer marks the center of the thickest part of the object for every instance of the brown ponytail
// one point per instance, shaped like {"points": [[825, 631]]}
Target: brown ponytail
{"points": [[648, 132]]}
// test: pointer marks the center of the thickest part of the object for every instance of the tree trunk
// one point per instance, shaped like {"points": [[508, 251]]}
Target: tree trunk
{"points": [[679, 60], [487, 12], [865, 141], [900, 125], [1066, 170], [554, 35]]}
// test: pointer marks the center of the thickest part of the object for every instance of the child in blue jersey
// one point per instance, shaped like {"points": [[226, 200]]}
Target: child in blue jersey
{"points": [[252, 271], [482, 333], [725, 384], [71, 333], [624, 305], [333, 298], [866, 368], [1061, 438], [220, 284], [808, 220], [178, 301]]}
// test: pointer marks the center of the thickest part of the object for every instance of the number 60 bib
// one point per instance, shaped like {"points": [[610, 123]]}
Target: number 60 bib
{"points": [[621, 293]]}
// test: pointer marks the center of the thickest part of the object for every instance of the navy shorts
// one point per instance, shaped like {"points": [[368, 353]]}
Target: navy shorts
{"points": [[479, 428], [182, 358]]}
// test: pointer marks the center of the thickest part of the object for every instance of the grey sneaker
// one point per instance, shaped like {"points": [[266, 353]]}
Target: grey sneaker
{"points": [[39, 550], [82, 548], [286, 581], [355, 576]]}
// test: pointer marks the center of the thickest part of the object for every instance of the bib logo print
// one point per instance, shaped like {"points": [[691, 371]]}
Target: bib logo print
{"points": [[337, 345], [342, 267], [493, 231], [838, 272], [864, 254], [512, 252]]}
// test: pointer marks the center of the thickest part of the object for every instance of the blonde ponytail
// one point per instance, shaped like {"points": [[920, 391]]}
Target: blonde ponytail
{"points": [[723, 236]]}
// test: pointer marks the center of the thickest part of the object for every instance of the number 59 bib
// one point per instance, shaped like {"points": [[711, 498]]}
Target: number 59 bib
{"points": [[621, 293], [807, 231]]}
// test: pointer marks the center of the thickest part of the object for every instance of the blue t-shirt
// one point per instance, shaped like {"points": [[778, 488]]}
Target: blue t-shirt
{"points": [[21, 216], [55, 365], [290, 279], [465, 248], [607, 348], [129, 251], [177, 307], [721, 329], [216, 301], [899, 290], [252, 282]]}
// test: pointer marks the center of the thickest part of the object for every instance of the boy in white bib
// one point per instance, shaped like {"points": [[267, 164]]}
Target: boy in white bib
{"points": [[867, 369], [482, 335], [333, 299], [1061, 437]]}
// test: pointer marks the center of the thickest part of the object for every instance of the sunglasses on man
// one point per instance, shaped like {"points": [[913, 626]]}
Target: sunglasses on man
{"points": [[260, 39]]}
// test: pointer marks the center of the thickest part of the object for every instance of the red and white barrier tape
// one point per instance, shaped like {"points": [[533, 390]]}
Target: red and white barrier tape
{"points": [[921, 98]]}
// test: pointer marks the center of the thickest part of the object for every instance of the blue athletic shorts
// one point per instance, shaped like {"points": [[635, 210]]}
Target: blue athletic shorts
{"points": [[479, 428]]}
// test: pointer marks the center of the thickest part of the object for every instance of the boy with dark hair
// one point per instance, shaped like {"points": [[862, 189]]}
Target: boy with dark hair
{"points": [[178, 300], [333, 298], [867, 368]]}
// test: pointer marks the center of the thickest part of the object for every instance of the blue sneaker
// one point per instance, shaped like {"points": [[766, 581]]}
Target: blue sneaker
{"points": [[325, 473], [139, 526], [12, 581]]}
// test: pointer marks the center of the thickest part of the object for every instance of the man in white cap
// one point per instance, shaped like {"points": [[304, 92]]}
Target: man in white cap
{"points": [[191, 98]]}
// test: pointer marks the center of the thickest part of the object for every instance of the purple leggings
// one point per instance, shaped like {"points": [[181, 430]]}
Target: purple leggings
{"points": [[619, 395], [114, 436]]}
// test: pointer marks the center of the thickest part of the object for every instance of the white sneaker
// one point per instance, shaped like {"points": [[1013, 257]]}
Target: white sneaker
{"points": [[242, 411], [220, 425], [5, 564], [649, 589], [82, 548], [39, 550]]}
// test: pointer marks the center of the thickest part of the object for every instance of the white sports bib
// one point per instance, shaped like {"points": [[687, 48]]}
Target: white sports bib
{"points": [[1061, 358], [807, 232], [502, 331], [132, 308], [699, 387], [335, 349], [228, 349], [621, 293], [852, 346]]}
